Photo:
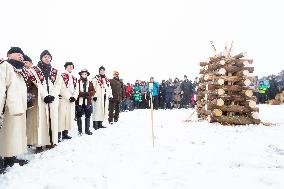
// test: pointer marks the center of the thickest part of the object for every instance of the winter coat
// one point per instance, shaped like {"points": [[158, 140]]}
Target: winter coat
{"points": [[103, 91], [116, 87], [177, 92], [137, 97], [13, 140], [262, 88], [69, 88], [32, 114], [186, 87], [137, 87], [155, 88], [129, 91], [169, 91], [48, 82], [90, 93]]}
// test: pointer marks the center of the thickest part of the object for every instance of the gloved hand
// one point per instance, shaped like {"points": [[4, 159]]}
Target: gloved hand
{"points": [[95, 99], [72, 99], [48, 99]]}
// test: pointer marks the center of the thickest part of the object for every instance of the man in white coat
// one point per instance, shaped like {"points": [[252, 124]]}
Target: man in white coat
{"points": [[13, 106], [68, 95], [101, 99], [48, 83], [32, 112]]}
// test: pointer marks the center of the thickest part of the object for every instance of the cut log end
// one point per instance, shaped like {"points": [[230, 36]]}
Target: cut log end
{"points": [[222, 62], [249, 93], [221, 92], [217, 112]]}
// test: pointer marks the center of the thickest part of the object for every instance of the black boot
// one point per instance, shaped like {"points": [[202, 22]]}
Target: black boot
{"points": [[2, 167], [87, 126], [39, 150], [79, 123], [101, 125], [59, 137], [9, 161], [110, 121], [65, 135], [21, 162], [96, 125]]}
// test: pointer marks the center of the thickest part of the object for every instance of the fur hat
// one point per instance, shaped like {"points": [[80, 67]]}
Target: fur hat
{"points": [[102, 68], [45, 52], [68, 64], [15, 50], [84, 71], [27, 58]]}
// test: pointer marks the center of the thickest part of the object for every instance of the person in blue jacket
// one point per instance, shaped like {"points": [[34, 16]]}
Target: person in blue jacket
{"points": [[153, 89]]}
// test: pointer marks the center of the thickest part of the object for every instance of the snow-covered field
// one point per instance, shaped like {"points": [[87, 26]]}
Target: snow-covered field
{"points": [[186, 155]]}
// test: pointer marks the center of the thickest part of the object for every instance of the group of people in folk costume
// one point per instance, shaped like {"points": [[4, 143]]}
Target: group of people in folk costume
{"points": [[38, 104]]}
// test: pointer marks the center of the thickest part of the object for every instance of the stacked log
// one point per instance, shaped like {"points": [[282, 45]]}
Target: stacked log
{"points": [[224, 92]]}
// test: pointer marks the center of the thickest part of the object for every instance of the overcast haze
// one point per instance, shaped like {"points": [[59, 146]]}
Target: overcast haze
{"points": [[160, 38]]}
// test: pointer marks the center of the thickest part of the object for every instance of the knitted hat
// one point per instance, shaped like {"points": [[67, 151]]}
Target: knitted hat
{"points": [[45, 52]]}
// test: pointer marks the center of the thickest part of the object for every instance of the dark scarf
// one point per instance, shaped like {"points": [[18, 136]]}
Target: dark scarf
{"points": [[17, 64], [45, 68], [84, 79], [102, 76], [116, 78]]}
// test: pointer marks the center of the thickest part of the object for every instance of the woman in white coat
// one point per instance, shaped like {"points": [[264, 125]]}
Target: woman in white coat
{"points": [[101, 99]]}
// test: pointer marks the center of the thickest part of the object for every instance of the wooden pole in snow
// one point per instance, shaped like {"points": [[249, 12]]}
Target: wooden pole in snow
{"points": [[152, 120]]}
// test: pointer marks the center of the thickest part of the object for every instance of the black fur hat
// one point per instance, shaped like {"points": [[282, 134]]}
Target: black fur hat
{"points": [[45, 52], [27, 58], [102, 68], [15, 50], [68, 63]]}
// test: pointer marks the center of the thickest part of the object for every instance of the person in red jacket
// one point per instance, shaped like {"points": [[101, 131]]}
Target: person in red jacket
{"points": [[129, 91]]}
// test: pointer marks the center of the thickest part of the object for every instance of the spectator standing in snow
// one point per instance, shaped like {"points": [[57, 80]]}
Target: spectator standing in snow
{"points": [[153, 89], [187, 92], [116, 87], [169, 90]]}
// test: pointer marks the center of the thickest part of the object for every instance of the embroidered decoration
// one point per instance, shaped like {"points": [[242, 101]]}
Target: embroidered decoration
{"points": [[53, 75], [65, 77], [39, 74]]}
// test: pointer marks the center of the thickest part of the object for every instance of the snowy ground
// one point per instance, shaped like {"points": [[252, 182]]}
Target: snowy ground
{"points": [[186, 155]]}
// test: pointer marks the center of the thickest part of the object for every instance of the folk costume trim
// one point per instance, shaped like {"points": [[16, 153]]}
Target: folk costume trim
{"points": [[24, 73], [53, 74], [100, 81], [65, 77]]}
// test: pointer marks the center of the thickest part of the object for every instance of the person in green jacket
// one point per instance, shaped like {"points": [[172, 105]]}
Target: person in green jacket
{"points": [[137, 99], [262, 88]]}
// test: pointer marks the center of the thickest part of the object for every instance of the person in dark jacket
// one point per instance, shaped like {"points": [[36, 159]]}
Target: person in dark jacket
{"points": [[162, 94], [122, 105], [169, 94], [144, 93], [84, 101], [187, 92], [116, 87], [273, 89]]}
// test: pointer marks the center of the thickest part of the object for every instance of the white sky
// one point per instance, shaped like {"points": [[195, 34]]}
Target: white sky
{"points": [[160, 38]]}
